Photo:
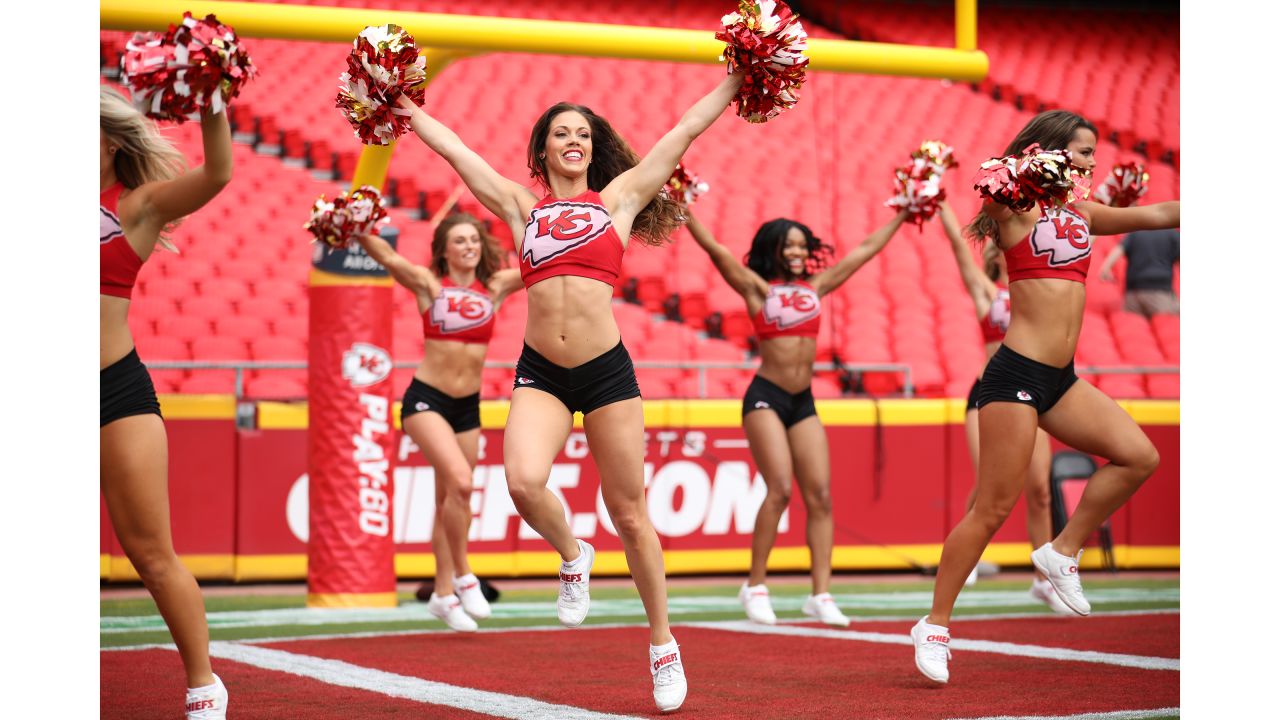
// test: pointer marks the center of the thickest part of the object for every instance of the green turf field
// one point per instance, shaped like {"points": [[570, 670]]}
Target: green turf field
{"points": [[135, 621]]}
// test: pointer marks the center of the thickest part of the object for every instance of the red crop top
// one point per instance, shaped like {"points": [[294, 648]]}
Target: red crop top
{"points": [[1059, 246], [119, 263], [790, 309], [574, 236], [462, 314], [996, 323]]}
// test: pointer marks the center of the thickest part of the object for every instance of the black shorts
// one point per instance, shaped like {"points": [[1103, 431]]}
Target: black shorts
{"points": [[462, 413], [791, 409], [972, 402], [125, 389], [1010, 377], [605, 379]]}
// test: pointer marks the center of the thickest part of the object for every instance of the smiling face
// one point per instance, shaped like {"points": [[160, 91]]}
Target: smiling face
{"points": [[1083, 145], [462, 247], [795, 252], [568, 145]]}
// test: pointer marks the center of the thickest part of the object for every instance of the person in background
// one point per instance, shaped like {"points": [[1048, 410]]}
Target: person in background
{"points": [[1148, 278]]}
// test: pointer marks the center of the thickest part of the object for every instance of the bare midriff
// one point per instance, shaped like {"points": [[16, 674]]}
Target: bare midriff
{"points": [[114, 339], [1046, 320], [571, 320], [788, 362], [454, 368]]}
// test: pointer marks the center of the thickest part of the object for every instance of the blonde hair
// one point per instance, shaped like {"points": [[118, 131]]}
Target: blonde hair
{"points": [[142, 154]]}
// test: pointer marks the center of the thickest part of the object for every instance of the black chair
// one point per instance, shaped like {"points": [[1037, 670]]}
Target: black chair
{"points": [[1068, 474]]}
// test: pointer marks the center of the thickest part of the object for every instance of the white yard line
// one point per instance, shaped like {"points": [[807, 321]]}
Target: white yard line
{"points": [[417, 612], [1117, 715], [604, 626], [344, 674], [999, 648]]}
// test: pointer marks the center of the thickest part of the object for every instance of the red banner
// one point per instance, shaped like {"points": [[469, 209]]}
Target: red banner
{"points": [[350, 551]]}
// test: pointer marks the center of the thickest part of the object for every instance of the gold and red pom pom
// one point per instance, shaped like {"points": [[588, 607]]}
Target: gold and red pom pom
{"points": [[1126, 183], [358, 212], [684, 187], [384, 65], [195, 67], [766, 42], [918, 184], [1044, 177]]}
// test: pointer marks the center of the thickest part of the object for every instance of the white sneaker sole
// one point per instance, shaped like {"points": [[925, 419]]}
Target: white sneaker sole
{"points": [[1049, 575], [942, 681]]}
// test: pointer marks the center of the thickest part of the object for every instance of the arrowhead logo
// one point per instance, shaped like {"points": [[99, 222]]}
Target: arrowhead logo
{"points": [[559, 227], [457, 309], [1063, 236], [364, 364], [789, 305], [110, 226]]}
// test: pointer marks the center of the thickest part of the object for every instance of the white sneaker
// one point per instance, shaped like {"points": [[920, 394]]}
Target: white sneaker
{"points": [[208, 702], [468, 591], [669, 685], [1041, 590], [1064, 574], [449, 609], [755, 599], [973, 577], [823, 607], [933, 650], [575, 583]]}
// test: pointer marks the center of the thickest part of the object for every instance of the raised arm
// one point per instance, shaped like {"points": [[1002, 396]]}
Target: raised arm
{"points": [[162, 202], [500, 195], [834, 276], [1116, 253], [981, 288], [741, 278], [628, 193], [418, 279], [1106, 220]]}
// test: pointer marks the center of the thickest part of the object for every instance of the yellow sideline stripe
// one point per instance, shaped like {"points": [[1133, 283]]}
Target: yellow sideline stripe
{"points": [[321, 278], [206, 567], [197, 407], [529, 563], [728, 413], [351, 600]]}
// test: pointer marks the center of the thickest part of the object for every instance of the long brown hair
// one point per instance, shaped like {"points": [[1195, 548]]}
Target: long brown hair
{"points": [[491, 256], [610, 157], [1054, 130]]}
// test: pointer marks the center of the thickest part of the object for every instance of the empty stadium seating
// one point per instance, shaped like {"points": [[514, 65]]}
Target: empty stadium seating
{"points": [[238, 290]]}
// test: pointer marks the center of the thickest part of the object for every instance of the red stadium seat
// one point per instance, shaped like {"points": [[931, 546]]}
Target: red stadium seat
{"points": [[161, 347], [219, 348], [275, 388]]}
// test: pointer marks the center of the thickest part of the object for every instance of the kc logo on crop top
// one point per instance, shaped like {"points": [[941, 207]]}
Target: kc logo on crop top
{"points": [[110, 226], [1062, 235], [789, 305], [559, 227], [457, 309]]}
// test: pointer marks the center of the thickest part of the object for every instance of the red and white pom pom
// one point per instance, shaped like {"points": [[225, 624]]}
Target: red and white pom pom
{"points": [[684, 187], [1126, 183], [918, 190], [349, 216], [1045, 177], [997, 181], [937, 154], [384, 65], [1050, 178], [766, 42], [195, 67]]}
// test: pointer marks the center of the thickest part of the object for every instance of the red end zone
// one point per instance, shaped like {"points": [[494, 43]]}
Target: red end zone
{"points": [[731, 674]]}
